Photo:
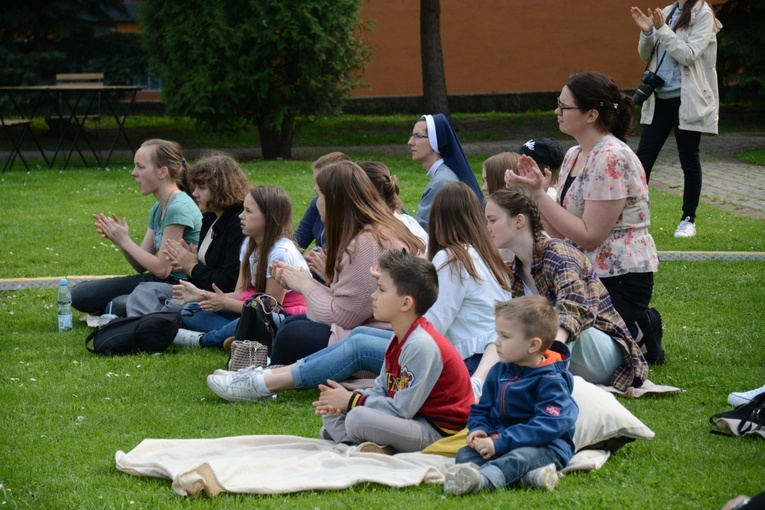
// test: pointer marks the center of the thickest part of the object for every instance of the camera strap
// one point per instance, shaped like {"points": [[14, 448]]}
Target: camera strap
{"points": [[648, 64]]}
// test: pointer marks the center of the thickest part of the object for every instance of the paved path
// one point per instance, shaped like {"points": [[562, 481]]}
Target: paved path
{"points": [[728, 183]]}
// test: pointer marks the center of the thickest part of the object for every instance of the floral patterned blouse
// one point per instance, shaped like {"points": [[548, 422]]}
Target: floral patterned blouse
{"points": [[612, 172]]}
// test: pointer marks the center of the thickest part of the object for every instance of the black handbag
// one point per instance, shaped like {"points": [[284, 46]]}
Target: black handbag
{"points": [[153, 332], [257, 321]]}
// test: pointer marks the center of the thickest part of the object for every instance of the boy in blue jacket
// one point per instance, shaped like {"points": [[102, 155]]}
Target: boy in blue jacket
{"points": [[522, 429]]}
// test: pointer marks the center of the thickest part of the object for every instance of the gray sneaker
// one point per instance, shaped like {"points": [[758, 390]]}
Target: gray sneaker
{"points": [[188, 338], [238, 387], [686, 228], [542, 478], [323, 434], [463, 479]]}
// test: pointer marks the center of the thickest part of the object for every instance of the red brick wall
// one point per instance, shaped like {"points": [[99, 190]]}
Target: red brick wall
{"points": [[504, 45]]}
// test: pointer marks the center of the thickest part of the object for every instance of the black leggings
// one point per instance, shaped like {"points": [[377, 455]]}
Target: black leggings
{"points": [[666, 117], [298, 337], [630, 294]]}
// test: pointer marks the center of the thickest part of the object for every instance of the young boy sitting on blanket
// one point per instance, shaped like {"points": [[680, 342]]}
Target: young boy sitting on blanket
{"points": [[423, 392], [522, 429]]}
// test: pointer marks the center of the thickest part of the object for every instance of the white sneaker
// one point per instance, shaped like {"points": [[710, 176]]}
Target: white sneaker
{"points": [[188, 338], [247, 386], [686, 228], [744, 397], [542, 478], [463, 479], [253, 368]]}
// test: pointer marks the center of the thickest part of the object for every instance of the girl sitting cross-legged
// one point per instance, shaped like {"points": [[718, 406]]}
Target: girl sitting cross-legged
{"points": [[212, 317]]}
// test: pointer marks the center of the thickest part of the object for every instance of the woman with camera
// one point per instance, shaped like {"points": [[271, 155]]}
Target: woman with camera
{"points": [[679, 87], [602, 205]]}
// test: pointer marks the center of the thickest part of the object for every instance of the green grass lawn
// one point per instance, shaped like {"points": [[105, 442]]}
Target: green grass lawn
{"points": [[755, 156], [66, 412]]}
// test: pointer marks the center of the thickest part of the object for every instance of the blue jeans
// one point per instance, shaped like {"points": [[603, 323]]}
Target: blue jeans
{"points": [[509, 468], [217, 326], [363, 349]]}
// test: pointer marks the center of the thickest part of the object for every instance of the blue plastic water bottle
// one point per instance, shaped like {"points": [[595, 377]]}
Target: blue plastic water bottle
{"points": [[64, 306]]}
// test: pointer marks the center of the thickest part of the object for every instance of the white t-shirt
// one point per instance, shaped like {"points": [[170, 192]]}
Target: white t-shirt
{"points": [[413, 226], [464, 310], [284, 250]]}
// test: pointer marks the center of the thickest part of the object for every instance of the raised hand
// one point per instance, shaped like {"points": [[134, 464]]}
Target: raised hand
{"points": [[643, 21], [112, 228]]}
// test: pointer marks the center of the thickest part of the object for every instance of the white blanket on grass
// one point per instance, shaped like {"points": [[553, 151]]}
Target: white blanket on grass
{"points": [[284, 464]]}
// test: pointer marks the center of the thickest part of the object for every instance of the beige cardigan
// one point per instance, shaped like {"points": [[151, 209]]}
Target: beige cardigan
{"points": [[695, 49]]}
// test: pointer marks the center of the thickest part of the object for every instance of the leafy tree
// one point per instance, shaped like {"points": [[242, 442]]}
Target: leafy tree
{"points": [[435, 98], [740, 60], [269, 62], [39, 38]]}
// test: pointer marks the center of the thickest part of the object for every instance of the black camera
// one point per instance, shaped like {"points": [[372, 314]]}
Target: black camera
{"points": [[648, 83]]}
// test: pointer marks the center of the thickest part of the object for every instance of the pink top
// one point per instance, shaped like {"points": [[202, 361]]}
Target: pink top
{"points": [[612, 172], [347, 302]]}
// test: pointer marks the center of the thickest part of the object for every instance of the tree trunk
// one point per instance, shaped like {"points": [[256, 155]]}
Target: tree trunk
{"points": [[277, 143], [435, 99]]}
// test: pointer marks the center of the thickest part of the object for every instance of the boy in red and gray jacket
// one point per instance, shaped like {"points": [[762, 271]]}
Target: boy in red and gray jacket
{"points": [[423, 392]]}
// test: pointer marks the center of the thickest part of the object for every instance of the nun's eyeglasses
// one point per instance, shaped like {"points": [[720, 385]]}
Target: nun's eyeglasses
{"points": [[418, 136]]}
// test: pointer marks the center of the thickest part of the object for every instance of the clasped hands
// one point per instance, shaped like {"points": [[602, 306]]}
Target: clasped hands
{"points": [[333, 399], [646, 22], [480, 441]]}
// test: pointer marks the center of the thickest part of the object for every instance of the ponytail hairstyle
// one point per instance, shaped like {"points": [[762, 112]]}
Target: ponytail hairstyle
{"points": [[457, 222], [596, 91], [168, 154], [386, 184], [495, 168], [223, 176], [353, 205], [517, 200], [276, 208]]}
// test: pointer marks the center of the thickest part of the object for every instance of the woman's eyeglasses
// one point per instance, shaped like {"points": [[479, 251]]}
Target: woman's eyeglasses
{"points": [[562, 106], [418, 136]]}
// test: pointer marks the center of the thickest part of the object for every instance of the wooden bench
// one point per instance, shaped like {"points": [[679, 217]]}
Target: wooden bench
{"points": [[80, 79]]}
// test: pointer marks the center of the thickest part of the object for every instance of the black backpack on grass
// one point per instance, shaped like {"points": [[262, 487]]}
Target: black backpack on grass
{"points": [[153, 332]]}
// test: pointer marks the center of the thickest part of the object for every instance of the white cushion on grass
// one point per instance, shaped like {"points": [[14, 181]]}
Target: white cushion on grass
{"points": [[604, 423]]}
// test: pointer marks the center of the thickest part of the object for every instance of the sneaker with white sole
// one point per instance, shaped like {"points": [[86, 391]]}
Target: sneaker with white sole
{"points": [[247, 386], [686, 228], [542, 478], [370, 447], [463, 479], [188, 338], [738, 398], [258, 370]]}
